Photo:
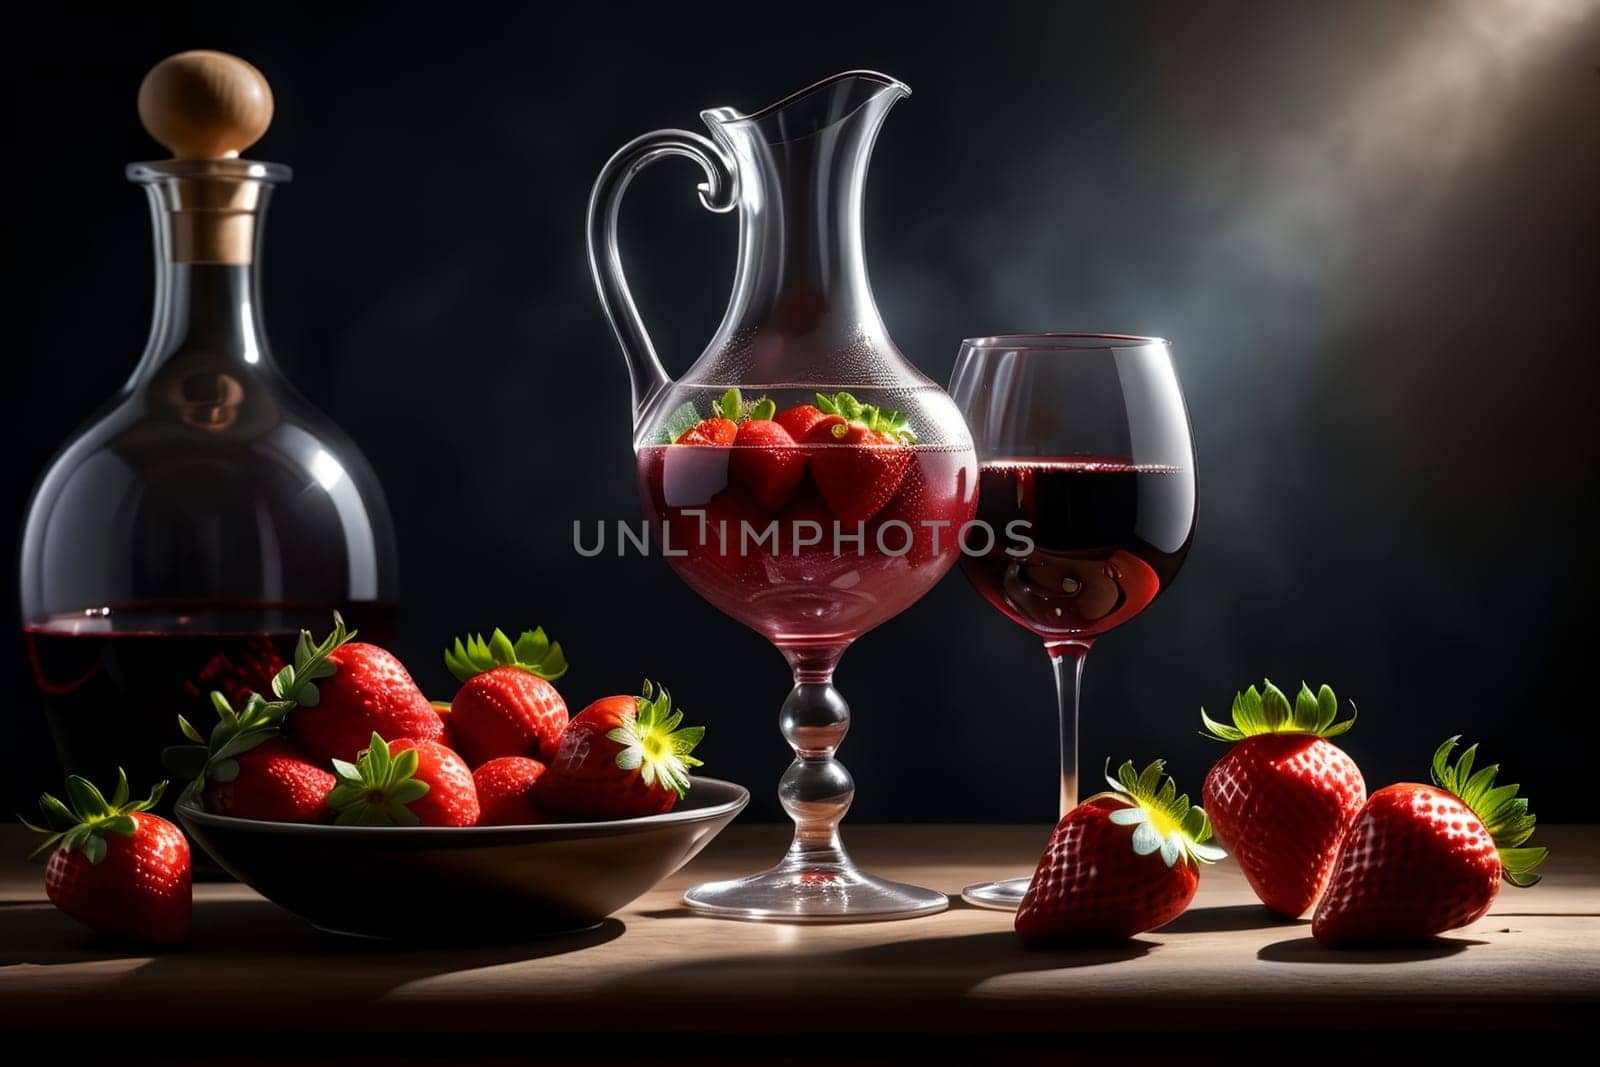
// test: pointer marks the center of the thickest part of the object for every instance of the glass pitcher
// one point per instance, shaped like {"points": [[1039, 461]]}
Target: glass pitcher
{"points": [[802, 475]]}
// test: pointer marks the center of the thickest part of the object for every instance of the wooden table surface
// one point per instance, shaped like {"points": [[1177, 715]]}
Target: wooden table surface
{"points": [[1535, 960]]}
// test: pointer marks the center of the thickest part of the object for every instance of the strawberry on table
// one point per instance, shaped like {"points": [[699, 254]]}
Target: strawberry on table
{"points": [[1118, 864], [1281, 798], [115, 867], [407, 782], [275, 783], [620, 757], [505, 791], [766, 465], [368, 692], [859, 455], [1421, 859], [506, 705]]}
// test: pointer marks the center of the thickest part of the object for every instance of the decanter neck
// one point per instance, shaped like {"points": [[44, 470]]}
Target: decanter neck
{"points": [[206, 314], [207, 220]]}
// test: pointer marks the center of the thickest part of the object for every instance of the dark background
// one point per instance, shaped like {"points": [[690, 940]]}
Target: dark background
{"points": [[1371, 230]]}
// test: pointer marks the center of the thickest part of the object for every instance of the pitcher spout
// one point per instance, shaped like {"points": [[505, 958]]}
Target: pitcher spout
{"points": [[815, 108]]}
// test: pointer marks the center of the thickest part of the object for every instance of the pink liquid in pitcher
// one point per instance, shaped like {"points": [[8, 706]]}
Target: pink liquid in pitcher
{"points": [[800, 575]]}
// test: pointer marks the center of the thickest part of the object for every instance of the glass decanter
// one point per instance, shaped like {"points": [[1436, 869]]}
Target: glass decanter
{"points": [[180, 541], [802, 476]]}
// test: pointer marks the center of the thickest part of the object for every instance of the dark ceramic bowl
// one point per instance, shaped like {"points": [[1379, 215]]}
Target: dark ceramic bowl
{"points": [[443, 883]]}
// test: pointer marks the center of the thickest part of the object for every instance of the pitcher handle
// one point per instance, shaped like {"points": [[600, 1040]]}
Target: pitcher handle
{"points": [[718, 193]]}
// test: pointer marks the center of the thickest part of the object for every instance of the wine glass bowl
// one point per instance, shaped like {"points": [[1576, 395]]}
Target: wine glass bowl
{"points": [[1086, 466]]}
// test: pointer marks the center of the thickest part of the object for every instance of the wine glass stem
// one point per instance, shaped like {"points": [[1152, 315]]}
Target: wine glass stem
{"points": [[1066, 659], [816, 790]]}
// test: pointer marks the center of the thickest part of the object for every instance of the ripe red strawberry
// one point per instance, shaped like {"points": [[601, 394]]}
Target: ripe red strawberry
{"points": [[1118, 864], [243, 767], [1419, 860], [859, 459], [273, 782], [506, 705], [620, 757], [1281, 798], [765, 464], [116, 868], [799, 420], [734, 540], [712, 431], [720, 429], [406, 782], [369, 693], [505, 787]]}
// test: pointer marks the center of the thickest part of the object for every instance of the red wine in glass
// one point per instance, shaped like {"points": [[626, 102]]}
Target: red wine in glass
{"points": [[1089, 557], [1086, 478], [114, 680]]}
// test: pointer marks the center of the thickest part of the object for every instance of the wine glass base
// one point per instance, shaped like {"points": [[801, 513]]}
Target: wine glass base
{"points": [[1004, 895], [826, 894]]}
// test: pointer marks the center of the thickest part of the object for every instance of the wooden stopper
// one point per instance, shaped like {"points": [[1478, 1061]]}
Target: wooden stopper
{"points": [[205, 105], [208, 106]]}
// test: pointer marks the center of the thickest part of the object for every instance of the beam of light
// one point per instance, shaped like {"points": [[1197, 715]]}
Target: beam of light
{"points": [[1389, 152]]}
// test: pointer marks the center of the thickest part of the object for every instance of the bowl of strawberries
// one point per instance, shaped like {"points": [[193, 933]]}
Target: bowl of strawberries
{"points": [[348, 798]]}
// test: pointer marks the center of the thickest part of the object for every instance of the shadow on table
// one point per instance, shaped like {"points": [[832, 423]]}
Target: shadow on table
{"points": [[254, 942], [1227, 918], [1307, 950], [918, 967]]}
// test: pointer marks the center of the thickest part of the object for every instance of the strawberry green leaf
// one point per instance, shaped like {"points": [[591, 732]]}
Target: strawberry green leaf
{"points": [[1268, 711], [1327, 709], [867, 416], [684, 418], [1275, 707], [764, 409], [119, 795], [1163, 820], [376, 789], [406, 792], [652, 743], [85, 798], [80, 825], [532, 652], [56, 814], [190, 732], [120, 824], [1217, 731], [501, 648], [1519, 866], [1504, 814], [295, 682]]}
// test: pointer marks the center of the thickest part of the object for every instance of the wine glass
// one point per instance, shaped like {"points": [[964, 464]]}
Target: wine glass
{"points": [[1086, 476]]}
